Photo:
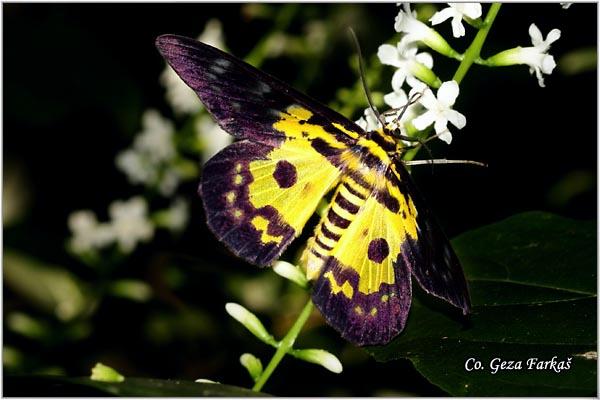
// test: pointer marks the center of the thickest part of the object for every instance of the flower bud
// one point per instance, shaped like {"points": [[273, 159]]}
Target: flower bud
{"points": [[252, 364], [321, 357], [291, 272], [250, 322]]}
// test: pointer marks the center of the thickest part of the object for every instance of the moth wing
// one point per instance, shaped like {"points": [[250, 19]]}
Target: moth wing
{"points": [[258, 197], [244, 100], [433, 262], [363, 284]]}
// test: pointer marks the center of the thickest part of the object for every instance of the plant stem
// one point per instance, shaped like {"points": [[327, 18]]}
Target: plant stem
{"points": [[474, 49], [284, 346]]}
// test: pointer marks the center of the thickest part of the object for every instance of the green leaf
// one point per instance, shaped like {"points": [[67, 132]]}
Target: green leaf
{"points": [[533, 285], [64, 386]]}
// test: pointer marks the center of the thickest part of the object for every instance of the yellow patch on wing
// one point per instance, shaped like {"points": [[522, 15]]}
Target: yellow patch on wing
{"points": [[294, 176], [294, 124], [350, 133], [295, 201], [371, 242], [345, 288], [262, 224]]}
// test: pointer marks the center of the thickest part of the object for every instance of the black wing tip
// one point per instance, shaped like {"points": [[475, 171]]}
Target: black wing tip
{"points": [[165, 41]]}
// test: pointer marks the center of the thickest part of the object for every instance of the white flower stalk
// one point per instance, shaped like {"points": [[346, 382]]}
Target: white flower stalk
{"points": [[182, 99], [439, 111], [411, 65], [415, 31], [130, 223], [536, 56], [457, 11], [211, 137], [88, 234]]}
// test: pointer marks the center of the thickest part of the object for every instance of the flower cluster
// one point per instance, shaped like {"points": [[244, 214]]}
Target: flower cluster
{"points": [[151, 159], [155, 162], [414, 76], [129, 224]]}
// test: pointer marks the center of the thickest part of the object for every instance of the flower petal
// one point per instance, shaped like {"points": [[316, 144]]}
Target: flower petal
{"points": [[442, 15], [458, 30], [424, 120], [441, 125], [471, 10], [553, 36], [428, 100], [536, 35], [445, 136], [425, 59], [388, 55], [548, 64], [398, 79], [396, 99], [447, 93], [456, 118]]}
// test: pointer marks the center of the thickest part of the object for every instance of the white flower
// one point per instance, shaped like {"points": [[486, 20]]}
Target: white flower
{"points": [[156, 138], [135, 166], [169, 181], [211, 137], [536, 57], [130, 222], [457, 11], [177, 215], [439, 111], [406, 22], [369, 122], [404, 57], [151, 159], [213, 34], [182, 99], [88, 234]]}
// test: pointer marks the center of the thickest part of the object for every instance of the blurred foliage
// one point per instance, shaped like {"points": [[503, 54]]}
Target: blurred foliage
{"points": [[74, 96]]}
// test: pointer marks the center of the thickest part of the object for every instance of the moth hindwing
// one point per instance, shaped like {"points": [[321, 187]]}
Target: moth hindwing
{"points": [[259, 192]]}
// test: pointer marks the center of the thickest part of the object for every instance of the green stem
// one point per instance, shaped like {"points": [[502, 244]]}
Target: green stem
{"points": [[474, 49], [284, 346]]}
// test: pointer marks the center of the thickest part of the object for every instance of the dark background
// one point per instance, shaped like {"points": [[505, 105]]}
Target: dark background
{"points": [[76, 81]]}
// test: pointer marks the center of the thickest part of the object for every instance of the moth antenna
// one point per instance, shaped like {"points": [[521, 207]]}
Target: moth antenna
{"points": [[444, 161], [363, 78]]}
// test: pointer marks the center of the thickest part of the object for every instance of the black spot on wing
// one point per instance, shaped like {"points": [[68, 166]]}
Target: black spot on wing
{"points": [[229, 212]]}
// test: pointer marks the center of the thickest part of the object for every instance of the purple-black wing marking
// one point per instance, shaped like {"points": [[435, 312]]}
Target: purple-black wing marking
{"points": [[244, 100], [431, 259]]}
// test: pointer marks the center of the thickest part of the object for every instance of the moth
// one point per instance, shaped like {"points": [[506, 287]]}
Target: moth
{"points": [[260, 191]]}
